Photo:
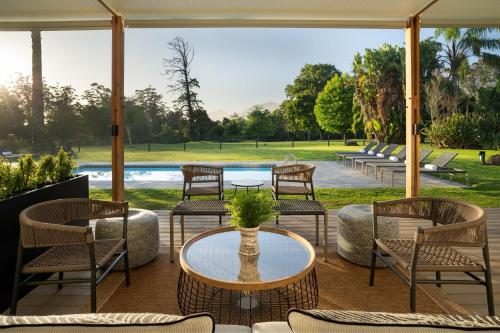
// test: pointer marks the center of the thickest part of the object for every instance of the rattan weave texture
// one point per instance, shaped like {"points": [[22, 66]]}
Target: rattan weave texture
{"points": [[73, 258]]}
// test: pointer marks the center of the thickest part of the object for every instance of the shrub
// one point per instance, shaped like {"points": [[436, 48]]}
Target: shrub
{"points": [[249, 210], [30, 174], [459, 130], [64, 164]]}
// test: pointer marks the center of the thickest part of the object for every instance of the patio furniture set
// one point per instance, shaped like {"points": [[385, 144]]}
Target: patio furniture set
{"points": [[232, 297], [233, 288], [382, 157]]}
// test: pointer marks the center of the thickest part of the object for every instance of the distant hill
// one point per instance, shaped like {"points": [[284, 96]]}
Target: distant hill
{"points": [[271, 106]]}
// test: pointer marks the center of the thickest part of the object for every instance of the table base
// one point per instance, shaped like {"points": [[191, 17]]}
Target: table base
{"points": [[246, 307]]}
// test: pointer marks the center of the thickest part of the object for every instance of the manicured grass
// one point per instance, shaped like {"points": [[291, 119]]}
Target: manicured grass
{"points": [[331, 197], [209, 151], [484, 180]]}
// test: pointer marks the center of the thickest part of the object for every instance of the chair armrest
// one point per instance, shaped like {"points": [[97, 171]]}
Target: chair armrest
{"points": [[465, 234], [38, 234]]}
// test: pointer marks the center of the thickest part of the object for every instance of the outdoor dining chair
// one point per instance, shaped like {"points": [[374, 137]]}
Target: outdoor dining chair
{"points": [[69, 248], [210, 177], [455, 225], [284, 176]]}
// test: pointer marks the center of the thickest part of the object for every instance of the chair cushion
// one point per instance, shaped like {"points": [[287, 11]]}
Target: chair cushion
{"points": [[271, 327], [73, 258], [332, 321], [109, 323], [430, 259], [223, 328]]}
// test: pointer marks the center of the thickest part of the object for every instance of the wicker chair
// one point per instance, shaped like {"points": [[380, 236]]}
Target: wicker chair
{"points": [[70, 248], [202, 174], [293, 173], [456, 224]]}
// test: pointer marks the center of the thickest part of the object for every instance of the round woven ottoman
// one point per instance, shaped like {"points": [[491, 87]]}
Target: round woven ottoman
{"points": [[355, 233], [142, 231]]}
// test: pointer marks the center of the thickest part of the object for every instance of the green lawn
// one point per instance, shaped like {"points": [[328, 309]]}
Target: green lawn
{"points": [[484, 180]]}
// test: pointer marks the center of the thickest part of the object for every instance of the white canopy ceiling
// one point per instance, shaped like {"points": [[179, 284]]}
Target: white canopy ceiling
{"points": [[90, 14]]}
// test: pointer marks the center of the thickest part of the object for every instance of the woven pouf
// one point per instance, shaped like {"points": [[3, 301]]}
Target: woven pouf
{"points": [[143, 235], [355, 233]]}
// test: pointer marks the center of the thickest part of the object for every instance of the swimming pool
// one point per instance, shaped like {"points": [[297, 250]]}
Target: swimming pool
{"points": [[173, 174]]}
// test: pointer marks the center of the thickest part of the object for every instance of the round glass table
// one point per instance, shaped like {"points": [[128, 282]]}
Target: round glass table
{"points": [[238, 289], [247, 184]]}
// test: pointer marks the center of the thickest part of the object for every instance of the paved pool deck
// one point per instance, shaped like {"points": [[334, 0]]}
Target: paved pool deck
{"points": [[328, 174]]}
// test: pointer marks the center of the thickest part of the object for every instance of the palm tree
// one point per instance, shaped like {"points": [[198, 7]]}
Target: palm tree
{"points": [[37, 90], [460, 44]]}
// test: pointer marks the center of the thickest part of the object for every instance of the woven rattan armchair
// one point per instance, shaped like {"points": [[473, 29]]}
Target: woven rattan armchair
{"points": [[202, 174], [70, 248], [455, 224], [293, 173]]}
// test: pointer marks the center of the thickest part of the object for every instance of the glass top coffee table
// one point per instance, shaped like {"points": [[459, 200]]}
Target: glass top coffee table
{"points": [[247, 184], [240, 289]]}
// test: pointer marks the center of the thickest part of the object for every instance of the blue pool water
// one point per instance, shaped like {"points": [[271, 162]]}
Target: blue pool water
{"points": [[172, 173]]}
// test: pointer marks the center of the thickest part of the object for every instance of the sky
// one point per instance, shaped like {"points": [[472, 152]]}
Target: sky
{"points": [[236, 67]]}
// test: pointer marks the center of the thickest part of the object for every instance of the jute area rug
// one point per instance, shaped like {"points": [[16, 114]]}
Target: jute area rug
{"points": [[342, 286]]}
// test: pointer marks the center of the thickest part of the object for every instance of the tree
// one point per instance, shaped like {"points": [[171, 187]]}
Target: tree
{"points": [[96, 114], [302, 94], [234, 126], [37, 90], [259, 123], [333, 107], [150, 102], [178, 67], [63, 119], [379, 92], [460, 44]]}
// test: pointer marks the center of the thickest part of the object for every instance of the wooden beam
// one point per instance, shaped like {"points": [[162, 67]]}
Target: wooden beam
{"points": [[117, 129], [412, 42]]}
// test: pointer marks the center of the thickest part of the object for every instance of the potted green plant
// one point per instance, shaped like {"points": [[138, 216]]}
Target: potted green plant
{"points": [[248, 211]]}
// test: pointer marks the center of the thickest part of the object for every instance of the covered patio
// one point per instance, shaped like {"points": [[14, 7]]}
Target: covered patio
{"points": [[342, 285]]}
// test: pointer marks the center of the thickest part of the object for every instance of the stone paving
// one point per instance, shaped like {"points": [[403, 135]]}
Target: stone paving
{"points": [[328, 174]]}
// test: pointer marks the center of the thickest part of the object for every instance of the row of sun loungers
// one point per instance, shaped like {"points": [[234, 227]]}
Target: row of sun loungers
{"points": [[382, 157]]}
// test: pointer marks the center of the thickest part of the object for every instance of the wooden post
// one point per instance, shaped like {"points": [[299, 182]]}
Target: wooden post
{"points": [[412, 106], [118, 130]]}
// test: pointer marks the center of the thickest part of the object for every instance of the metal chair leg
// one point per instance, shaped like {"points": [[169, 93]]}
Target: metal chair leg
{"points": [[127, 267], [487, 278], [17, 275], [413, 296], [372, 266], [60, 277]]}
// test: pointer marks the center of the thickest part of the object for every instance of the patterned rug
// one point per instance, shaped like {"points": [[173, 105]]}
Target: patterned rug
{"points": [[342, 286]]}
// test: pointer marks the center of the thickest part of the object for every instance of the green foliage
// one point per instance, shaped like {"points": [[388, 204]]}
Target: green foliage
{"points": [[29, 174], [458, 131], [64, 165], [260, 123], [249, 210], [379, 91], [334, 109], [46, 170], [302, 95]]}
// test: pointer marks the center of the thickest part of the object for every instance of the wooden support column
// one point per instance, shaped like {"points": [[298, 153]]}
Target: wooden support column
{"points": [[117, 129], [412, 106]]}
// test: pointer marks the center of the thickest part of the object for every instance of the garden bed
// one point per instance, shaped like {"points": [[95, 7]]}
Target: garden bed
{"points": [[10, 208]]}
